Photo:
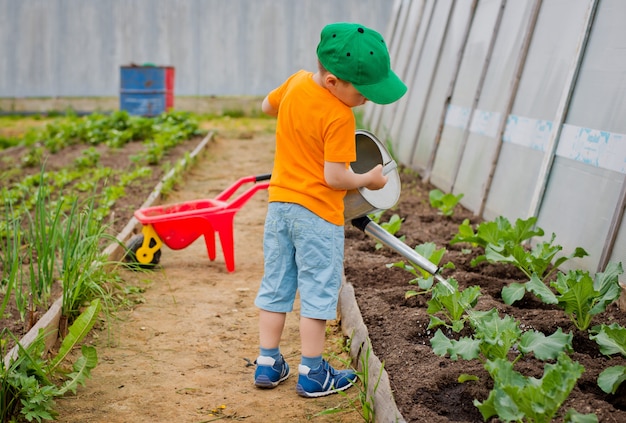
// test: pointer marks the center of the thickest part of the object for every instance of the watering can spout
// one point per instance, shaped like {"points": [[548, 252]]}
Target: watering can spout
{"points": [[377, 232]]}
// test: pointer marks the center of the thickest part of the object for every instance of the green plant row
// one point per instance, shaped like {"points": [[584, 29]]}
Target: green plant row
{"points": [[86, 175], [52, 231]]}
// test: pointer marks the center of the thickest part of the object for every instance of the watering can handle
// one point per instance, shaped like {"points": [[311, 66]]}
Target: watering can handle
{"points": [[263, 177], [389, 166]]}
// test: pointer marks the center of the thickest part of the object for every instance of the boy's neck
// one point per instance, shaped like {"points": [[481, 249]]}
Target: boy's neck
{"points": [[317, 77]]}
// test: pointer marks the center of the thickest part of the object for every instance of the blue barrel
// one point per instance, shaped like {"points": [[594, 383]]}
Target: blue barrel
{"points": [[146, 90]]}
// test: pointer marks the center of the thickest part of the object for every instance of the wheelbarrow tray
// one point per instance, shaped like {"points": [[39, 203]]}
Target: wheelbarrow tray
{"points": [[178, 225]]}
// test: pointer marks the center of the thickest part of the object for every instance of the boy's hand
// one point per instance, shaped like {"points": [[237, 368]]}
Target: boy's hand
{"points": [[377, 179]]}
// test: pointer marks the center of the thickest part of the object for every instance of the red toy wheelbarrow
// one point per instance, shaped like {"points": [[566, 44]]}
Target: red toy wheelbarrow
{"points": [[178, 225]]}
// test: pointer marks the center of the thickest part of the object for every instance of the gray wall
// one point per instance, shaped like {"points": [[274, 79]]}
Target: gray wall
{"points": [[60, 48], [519, 105]]}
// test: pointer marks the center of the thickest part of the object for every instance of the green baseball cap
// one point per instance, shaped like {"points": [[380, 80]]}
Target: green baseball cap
{"points": [[359, 55]]}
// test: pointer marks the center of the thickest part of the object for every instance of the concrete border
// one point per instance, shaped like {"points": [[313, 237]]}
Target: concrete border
{"points": [[378, 386]]}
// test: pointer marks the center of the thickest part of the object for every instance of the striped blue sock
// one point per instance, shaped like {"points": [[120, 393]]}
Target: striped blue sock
{"points": [[312, 362], [270, 352]]}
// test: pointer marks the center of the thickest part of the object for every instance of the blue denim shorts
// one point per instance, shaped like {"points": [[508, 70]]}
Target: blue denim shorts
{"points": [[303, 253]]}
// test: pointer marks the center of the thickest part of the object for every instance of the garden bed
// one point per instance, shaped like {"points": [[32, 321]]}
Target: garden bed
{"points": [[424, 384]]}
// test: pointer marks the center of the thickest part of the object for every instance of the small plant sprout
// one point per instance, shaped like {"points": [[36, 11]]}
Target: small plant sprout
{"points": [[421, 277], [582, 297], [364, 403], [452, 305], [519, 398], [445, 203], [392, 225]]}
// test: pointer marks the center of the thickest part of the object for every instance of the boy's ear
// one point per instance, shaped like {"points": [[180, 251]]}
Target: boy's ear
{"points": [[330, 80]]}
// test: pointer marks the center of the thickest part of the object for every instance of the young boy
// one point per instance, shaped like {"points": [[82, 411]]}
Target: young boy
{"points": [[304, 233]]}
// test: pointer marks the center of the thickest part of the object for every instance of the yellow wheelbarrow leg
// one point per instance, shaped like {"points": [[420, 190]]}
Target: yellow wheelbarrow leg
{"points": [[145, 253]]}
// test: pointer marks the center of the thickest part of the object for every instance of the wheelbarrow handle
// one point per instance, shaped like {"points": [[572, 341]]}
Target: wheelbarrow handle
{"points": [[238, 202], [228, 192]]}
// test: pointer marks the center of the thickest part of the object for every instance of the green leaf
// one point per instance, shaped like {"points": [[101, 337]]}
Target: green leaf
{"points": [[445, 203], [516, 397], [435, 321], [82, 369], [496, 335], [611, 378], [581, 297], [545, 347], [537, 287], [453, 304], [464, 377], [573, 416], [465, 233], [576, 296], [513, 292], [610, 338], [465, 348], [79, 329], [607, 284], [440, 343]]}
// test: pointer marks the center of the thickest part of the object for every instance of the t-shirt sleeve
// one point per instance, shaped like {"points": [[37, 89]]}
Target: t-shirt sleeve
{"points": [[339, 140], [276, 95]]}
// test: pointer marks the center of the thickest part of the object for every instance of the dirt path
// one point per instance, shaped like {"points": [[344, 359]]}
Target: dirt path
{"points": [[182, 355]]}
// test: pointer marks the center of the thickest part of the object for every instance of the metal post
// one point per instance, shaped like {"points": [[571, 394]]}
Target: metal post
{"points": [[521, 60], [479, 90], [442, 118], [430, 86], [548, 158], [616, 221]]}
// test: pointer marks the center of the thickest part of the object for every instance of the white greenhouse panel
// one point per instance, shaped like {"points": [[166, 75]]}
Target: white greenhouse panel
{"points": [[592, 142], [410, 112], [465, 89], [406, 56], [550, 57], [423, 133], [570, 208], [484, 138], [512, 199], [599, 100]]}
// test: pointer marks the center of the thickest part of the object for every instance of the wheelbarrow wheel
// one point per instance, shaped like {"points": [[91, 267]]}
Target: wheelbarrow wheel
{"points": [[130, 258]]}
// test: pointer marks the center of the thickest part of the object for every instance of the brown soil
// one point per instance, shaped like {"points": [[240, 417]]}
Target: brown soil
{"points": [[183, 353]]}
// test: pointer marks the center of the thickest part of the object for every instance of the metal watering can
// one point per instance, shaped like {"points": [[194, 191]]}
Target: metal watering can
{"points": [[369, 153], [360, 202]]}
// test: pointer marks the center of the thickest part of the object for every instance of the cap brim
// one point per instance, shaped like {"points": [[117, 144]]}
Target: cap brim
{"points": [[386, 91]]}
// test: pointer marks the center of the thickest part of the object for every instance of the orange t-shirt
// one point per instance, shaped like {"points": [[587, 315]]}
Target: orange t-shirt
{"points": [[313, 126]]}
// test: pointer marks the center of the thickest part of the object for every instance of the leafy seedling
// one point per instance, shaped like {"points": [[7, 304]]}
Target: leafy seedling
{"points": [[515, 397], [421, 277], [452, 305], [582, 297], [445, 203]]}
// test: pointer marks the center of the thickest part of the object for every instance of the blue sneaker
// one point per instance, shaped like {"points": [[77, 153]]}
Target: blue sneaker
{"points": [[324, 380], [269, 372]]}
